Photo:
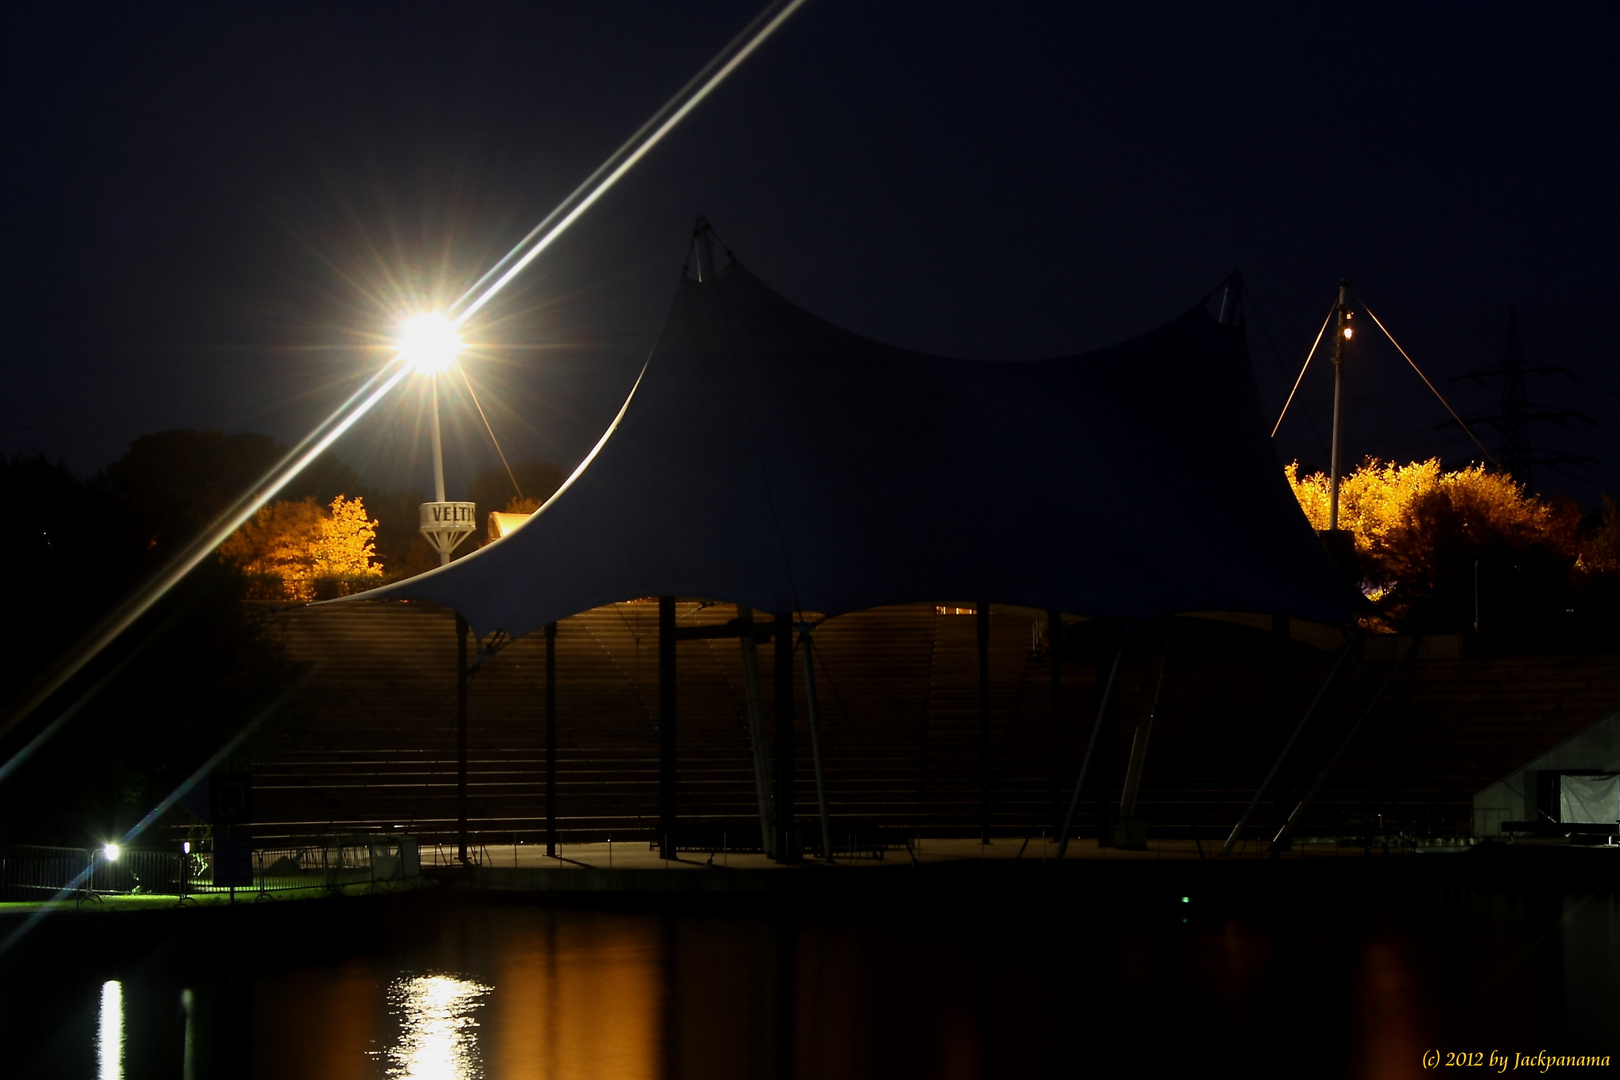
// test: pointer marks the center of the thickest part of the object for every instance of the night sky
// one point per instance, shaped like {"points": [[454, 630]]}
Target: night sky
{"points": [[214, 218]]}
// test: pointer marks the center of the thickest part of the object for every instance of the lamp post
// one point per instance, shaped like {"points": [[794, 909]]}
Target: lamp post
{"points": [[430, 345], [1341, 336]]}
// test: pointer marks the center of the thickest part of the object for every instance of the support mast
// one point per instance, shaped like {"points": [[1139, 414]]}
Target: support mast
{"points": [[1341, 335]]}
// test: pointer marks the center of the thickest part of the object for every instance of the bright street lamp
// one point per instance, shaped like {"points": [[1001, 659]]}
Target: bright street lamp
{"points": [[430, 343]]}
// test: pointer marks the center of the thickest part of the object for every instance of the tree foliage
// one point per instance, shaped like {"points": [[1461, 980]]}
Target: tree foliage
{"points": [[1436, 549], [297, 545], [346, 544], [171, 485]]}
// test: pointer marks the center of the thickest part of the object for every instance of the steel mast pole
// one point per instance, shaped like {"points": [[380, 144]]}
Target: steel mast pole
{"points": [[438, 456], [1341, 334]]}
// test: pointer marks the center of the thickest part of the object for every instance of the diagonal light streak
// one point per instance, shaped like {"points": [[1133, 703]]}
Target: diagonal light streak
{"points": [[583, 197], [156, 812], [613, 160], [370, 392], [264, 489], [186, 561], [67, 714]]}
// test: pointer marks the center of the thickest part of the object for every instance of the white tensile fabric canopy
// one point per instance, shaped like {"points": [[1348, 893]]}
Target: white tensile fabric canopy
{"points": [[769, 459]]}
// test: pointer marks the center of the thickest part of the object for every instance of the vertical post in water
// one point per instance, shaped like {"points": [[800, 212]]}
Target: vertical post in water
{"points": [[1341, 334], [787, 850], [666, 726], [983, 621], [551, 739], [461, 738]]}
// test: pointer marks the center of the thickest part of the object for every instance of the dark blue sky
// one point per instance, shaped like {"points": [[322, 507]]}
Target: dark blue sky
{"points": [[212, 217]]}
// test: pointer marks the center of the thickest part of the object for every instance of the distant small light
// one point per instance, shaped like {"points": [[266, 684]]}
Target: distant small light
{"points": [[185, 848], [1186, 899], [110, 852], [1349, 332]]}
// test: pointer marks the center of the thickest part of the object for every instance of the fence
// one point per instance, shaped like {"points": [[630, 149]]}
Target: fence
{"points": [[32, 872], [40, 873], [332, 862]]}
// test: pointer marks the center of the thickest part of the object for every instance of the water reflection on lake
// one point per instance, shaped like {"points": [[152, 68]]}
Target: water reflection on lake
{"points": [[110, 1032], [461, 991], [437, 1037]]}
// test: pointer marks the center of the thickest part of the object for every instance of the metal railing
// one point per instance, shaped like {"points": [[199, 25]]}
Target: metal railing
{"points": [[35, 872], [32, 872], [328, 863]]}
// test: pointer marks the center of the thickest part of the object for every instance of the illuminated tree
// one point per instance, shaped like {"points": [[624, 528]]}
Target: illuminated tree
{"points": [[1600, 554], [346, 546], [298, 544], [170, 485], [277, 541], [1436, 548]]}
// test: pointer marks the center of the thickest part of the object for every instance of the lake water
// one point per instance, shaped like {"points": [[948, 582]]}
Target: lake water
{"points": [[1318, 981]]}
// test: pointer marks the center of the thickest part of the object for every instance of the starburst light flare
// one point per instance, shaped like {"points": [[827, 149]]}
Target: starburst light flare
{"points": [[624, 158], [108, 630], [384, 380], [430, 344]]}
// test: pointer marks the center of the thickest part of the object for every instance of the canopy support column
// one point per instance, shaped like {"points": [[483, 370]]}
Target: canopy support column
{"points": [[1129, 831], [1279, 719], [461, 739], [1265, 786], [805, 645], [551, 739], [666, 726], [756, 729], [1096, 731], [1054, 635], [983, 620], [787, 849]]}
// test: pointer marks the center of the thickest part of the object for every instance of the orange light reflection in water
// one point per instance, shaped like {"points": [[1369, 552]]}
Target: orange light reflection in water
{"points": [[334, 1013], [1391, 998], [438, 1031], [583, 1005]]}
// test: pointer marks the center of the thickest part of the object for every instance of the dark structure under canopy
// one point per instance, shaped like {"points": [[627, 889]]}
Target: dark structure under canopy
{"points": [[768, 459]]}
